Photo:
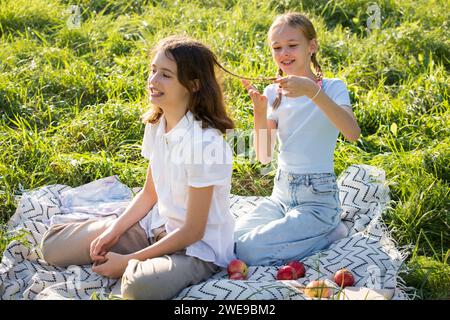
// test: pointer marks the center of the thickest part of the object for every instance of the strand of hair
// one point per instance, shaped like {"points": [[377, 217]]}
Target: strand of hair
{"points": [[262, 79]]}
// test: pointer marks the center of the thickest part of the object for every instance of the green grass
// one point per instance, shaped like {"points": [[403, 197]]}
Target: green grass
{"points": [[70, 99], [6, 237]]}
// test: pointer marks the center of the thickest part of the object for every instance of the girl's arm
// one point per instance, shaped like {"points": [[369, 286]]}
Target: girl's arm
{"points": [[264, 137], [114, 264], [136, 210], [265, 130], [199, 201], [139, 206], [342, 117]]}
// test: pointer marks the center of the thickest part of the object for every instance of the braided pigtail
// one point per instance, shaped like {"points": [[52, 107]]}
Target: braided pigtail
{"points": [[317, 67], [276, 103]]}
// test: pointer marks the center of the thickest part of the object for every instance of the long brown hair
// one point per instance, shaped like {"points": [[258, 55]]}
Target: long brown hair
{"points": [[297, 20], [196, 72]]}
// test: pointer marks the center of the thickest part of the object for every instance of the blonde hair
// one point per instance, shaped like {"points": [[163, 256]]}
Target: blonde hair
{"points": [[297, 20]]}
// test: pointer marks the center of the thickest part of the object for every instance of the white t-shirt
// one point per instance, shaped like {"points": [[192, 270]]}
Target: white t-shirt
{"points": [[191, 156], [306, 136]]}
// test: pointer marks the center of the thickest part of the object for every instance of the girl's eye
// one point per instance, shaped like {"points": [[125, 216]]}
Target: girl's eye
{"points": [[153, 71], [293, 45], [276, 48], [165, 75]]}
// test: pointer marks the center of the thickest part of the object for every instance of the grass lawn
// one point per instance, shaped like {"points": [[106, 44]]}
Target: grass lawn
{"points": [[72, 92]]}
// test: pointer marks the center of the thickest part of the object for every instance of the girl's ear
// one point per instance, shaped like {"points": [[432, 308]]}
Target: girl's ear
{"points": [[195, 85], [313, 45]]}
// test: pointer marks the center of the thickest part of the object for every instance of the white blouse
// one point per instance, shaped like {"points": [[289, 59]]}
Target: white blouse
{"points": [[191, 156]]}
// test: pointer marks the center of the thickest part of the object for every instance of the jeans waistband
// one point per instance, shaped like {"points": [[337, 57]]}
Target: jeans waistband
{"points": [[306, 177]]}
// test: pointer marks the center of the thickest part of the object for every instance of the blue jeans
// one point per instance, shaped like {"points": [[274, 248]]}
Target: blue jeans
{"points": [[294, 222]]}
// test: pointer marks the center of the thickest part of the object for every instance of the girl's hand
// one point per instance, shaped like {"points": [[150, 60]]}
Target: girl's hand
{"points": [[100, 245], [295, 86], [114, 265], [259, 100]]}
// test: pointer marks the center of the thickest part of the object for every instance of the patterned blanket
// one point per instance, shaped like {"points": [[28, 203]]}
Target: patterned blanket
{"points": [[367, 251]]}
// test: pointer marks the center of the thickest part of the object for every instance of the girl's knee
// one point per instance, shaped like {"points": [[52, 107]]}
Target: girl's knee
{"points": [[51, 251], [137, 285], [130, 286], [246, 251]]}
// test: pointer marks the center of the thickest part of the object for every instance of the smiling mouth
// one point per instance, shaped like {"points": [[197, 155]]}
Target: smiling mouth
{"points": [[287, 62], [155, 93]]}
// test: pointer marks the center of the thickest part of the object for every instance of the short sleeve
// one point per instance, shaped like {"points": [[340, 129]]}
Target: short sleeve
{"points": [[339, 93], [148, 141], [213, 167], [269, 92]]}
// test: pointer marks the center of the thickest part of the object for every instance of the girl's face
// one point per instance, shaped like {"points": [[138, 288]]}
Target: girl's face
{"points": [[165, 90], [291, 50]]}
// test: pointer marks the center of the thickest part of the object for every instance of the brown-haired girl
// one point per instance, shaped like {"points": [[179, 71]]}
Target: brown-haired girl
{"points": [[178, 230]]}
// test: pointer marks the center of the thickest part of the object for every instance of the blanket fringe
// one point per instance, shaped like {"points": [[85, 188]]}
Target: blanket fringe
{"points": [[404, 251]]}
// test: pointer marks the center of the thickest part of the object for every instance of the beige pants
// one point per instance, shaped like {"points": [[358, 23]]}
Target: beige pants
{"points": [[157, 278]]}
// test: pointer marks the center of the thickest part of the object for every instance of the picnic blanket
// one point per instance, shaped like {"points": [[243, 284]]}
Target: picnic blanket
{"points": [[368, 250]]}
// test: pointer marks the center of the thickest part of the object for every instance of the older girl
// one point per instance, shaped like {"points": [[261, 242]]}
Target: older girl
{"points": [[178, 230]]}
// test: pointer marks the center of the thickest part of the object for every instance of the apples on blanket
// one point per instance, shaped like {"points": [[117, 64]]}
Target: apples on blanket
{"points": [[237, 276], [299, 268], [344, 278], [235, 267], [291, 271], [318, 289], [286, 273]]}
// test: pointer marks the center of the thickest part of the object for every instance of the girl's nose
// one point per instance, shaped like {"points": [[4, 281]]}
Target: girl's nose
{"points": [[152, 79], [284, 51]]}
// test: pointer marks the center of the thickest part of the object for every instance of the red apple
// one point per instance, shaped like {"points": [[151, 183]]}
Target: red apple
{"points": [[286, 273], [237, 266], [299, 268], [237, 276], [318, 289], [344, 278]]}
